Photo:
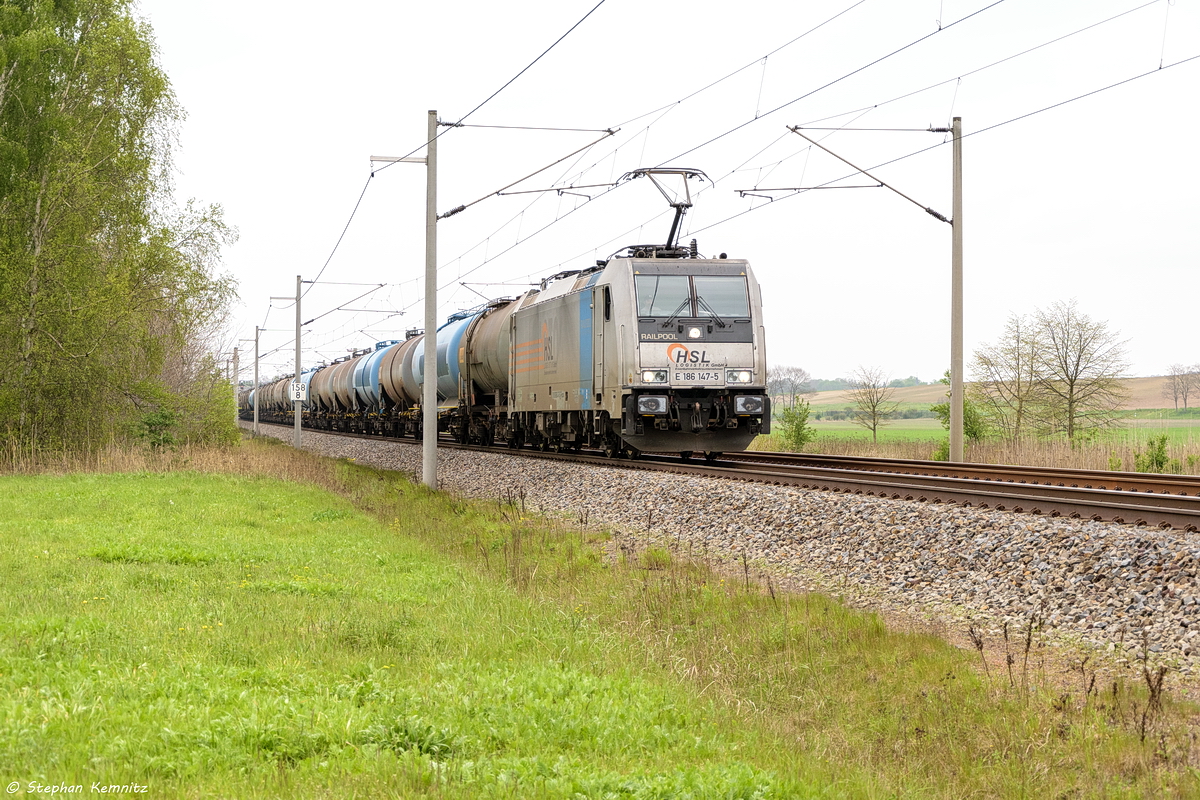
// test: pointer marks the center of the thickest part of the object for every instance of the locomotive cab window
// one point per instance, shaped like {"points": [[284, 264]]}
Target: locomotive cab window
{"points": [[663, 295], [691, 296], [725, 295]]}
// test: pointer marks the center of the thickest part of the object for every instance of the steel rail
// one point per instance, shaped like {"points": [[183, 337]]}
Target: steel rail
{"points": [[1148, 483], [1163, 510]]}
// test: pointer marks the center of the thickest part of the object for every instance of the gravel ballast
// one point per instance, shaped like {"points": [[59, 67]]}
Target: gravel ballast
{"points": [[1109, 586]]}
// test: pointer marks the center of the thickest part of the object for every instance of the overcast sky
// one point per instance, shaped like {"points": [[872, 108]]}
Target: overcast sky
{"points": [[1095, 200]]}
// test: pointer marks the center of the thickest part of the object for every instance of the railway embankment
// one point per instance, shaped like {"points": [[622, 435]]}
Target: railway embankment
{"points": [[1128, 591]]}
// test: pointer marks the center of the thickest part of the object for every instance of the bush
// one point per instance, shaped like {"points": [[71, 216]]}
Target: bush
{"points": [[794, 430], [975, 426], [1155, 458], [942, 453], [157, 428]]}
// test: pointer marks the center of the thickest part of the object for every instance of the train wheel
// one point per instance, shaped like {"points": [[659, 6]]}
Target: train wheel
{"points": [[712, 456], [611, 449], [685, 454], [631, 453]]}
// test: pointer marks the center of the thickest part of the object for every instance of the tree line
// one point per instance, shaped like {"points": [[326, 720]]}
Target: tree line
{"points": [[111, 304], [1056, 371]]}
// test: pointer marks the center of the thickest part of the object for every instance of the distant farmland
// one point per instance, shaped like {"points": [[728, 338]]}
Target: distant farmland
{"points": [[1145, 393]]}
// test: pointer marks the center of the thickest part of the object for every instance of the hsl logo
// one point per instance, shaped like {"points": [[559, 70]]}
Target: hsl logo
{"points": [[680, 354]]}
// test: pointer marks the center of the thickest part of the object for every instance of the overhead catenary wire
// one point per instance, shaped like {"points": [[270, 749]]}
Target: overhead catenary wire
{"points": [[461, 208], [833, 82], [530, 128], [665, 109], [341, 308], [986, 129], [492, 96], [987, 66], [524, 239], [341, 236], [758, 117], [739, 70], [508, 83], [865, 109], [928, 210]]}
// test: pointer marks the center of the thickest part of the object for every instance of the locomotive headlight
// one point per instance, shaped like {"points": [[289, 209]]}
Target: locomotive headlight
{"points": [[694, 332], [748, 404], [654, 376], [739, 376], [652, 404]]}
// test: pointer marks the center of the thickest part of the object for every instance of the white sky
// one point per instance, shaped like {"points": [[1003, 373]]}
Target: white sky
{"points": [[1096, 200]]}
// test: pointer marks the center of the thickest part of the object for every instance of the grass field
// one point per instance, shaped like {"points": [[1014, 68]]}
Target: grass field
{"points": [[920, 439], [343, 633], [901, 429]]}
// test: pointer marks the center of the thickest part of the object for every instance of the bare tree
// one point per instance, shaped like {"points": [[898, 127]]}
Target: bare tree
{"points": [[1080, 362], [871, 395], [788, 383], [1179, 383], [1008, 387]]}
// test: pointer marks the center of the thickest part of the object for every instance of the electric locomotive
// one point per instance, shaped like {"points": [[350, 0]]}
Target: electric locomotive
{"points": [[655, 349]]}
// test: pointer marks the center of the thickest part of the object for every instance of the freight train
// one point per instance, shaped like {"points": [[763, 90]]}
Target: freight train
{"points": [[655, 349]]}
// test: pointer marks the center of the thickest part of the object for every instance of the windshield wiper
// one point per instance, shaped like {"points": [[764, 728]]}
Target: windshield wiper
{"points": [[720, 322], [687, 301]]}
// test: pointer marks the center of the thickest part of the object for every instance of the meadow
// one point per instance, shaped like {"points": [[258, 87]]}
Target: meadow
{"points": [[920, 439], [257, 622]]}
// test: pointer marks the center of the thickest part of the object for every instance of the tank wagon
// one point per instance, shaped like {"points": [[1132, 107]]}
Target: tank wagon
{"points": [[655, 349]]}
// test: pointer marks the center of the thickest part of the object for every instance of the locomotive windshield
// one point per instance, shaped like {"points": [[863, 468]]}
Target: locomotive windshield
{"points": [[725, 295], [663, 295], [676, 295]]}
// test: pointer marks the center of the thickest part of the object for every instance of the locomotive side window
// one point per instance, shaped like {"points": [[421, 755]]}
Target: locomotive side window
{"points": [[726, 295], [663, 295]]}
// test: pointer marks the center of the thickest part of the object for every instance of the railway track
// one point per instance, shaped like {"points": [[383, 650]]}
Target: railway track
{"points": [[1164, 501]]}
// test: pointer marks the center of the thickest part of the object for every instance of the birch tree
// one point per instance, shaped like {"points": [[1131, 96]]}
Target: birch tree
{"points": [[99, 289]]}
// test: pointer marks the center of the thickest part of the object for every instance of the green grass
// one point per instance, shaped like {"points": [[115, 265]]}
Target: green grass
{"points": [[1134, 430], [232, 636], [893, 430], [844, 406]]}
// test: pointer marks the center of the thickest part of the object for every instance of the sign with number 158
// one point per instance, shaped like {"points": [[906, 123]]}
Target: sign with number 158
{"points": [[298, 389]]}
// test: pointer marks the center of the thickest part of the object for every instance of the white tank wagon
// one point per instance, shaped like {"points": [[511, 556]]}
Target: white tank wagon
{"points": [[274, 398]]}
